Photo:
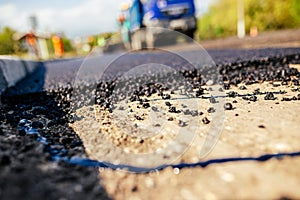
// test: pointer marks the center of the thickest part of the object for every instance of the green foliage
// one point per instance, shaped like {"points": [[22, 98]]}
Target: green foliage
{"points": [[271, 14], [68, 47], [221, 20], [7, 44], [50, 46], [106, 35]]}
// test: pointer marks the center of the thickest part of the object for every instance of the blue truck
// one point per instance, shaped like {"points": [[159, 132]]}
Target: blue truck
{"points": [[144, 20]]}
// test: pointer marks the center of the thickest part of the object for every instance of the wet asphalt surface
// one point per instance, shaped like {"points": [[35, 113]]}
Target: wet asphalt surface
{"points": [[44, 102]]}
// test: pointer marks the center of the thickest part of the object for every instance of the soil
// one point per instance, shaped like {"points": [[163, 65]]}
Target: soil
{"points": [[250, 129]]}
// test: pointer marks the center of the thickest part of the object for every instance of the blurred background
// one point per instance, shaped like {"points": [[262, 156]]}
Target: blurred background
{"points": [[61, 29]]}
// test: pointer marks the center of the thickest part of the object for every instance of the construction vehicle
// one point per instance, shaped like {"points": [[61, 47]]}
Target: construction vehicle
{"points": [[142, 21]]}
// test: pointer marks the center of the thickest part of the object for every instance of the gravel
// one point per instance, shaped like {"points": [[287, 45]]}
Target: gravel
{"points": [[27, 169]]}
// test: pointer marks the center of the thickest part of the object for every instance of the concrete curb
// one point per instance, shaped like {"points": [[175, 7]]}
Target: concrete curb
{"points": [[12, 70]]}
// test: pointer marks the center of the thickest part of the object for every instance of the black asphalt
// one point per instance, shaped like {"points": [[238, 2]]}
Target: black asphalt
{"points": [[35, 114], [65, 73]]}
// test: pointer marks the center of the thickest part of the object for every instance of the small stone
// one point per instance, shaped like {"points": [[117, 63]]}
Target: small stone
{"points": [[138, 117], [242, 87], [176, 170], [232, 94], [172, 109], [270, 96], [187, 112], [226, 86], [182, 123], [294, 89], [212, 100], [261, 126], [211, 110], [210, 82], [228, 106], [199, 92], [286, 99], [10, 112], [185, 106], [194, 113], [133, 98], [275, 84], [285, 198], [154, 108], [170, 119], [168, 103], [251, 98], [146, 105], [134, 189], [257, 91], [296, 82], [205, 120], [166, 96]]}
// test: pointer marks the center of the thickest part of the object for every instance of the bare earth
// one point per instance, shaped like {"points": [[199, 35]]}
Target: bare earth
{"points": [[250, 129]]}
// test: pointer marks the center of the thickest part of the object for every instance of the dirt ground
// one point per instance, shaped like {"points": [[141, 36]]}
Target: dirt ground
{"points": [[250, 129]]}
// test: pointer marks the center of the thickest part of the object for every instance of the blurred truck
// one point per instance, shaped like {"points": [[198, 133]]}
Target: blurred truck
{"points": [[144, 20]]}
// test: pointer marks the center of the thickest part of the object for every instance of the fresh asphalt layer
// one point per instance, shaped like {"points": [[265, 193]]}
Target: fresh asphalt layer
{"points": [[61, 75]]}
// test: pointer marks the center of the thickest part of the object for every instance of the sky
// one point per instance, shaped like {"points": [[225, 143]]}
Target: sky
{"points": [[72, 17]]}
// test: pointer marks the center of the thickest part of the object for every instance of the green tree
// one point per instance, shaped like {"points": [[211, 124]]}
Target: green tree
{"points": [[218, 22], [7, 44], [271, 14], [68, 47], [221, 19]]}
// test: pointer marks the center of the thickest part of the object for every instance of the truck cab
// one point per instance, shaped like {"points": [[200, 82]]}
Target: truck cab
{"points": [[145, 20]]}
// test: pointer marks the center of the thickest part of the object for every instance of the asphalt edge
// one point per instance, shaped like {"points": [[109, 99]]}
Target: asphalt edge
{"points": [[13, 70]]}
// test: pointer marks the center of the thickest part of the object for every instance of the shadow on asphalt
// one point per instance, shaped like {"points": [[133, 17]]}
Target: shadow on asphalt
{"points": [[27, 169]]}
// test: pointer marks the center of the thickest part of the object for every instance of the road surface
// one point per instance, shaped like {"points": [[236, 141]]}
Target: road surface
{"points": [[42, 136]]}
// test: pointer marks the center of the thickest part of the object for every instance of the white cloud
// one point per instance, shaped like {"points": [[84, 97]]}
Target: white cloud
{"points": [[88, 17], [84, 18], [10, 16]]}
